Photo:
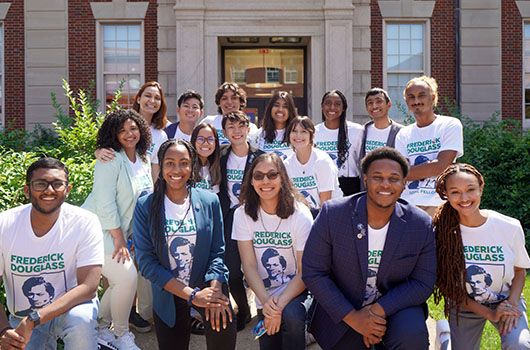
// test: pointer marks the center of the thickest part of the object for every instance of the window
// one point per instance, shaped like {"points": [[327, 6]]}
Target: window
{"points": [[121, 60], [526, 119], [406, 57], [238, 76], [291, 75]]}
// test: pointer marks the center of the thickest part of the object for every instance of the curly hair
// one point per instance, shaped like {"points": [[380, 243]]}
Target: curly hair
{"points": [[236, 89], [159, 192], [342, 139], [113, 123], [289, 195], [214, 159], [159, 120], [451, 265], [268, 122]]}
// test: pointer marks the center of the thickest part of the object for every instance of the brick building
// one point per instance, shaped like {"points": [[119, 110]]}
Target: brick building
{"points": [[478, 50]]}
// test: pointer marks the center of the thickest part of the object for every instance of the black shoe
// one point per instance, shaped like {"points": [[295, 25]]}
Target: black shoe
{"points": [[197, 327], [138, 323], [242, 321]]}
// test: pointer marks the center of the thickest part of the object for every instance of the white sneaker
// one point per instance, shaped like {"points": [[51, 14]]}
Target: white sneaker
{"points": [[106, 335], [126, 342]]}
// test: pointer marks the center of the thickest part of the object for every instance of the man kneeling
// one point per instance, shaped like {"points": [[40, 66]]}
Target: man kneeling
{"points": [[51, 257]]}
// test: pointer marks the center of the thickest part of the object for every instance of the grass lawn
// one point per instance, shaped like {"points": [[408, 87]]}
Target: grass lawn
{"points": [[490, 337]]}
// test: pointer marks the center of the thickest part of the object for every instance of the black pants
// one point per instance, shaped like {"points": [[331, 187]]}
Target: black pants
{"points": [[178, 336], [233, 263]]}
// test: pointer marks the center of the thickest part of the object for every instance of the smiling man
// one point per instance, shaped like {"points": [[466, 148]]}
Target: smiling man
{"points": [[51, 257], [370, 262]]}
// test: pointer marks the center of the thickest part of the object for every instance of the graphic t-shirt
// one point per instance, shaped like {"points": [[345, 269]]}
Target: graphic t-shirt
{"points": [[38, 270], [141, 179], [181, 235], [282, 149], [206, 180], [326, 140], [491, 252], [235, 170], [376, 138], [217, 122], [319, 174], [422, 145], [275, 242], [180, 135], [376, 243], [158, 137]]}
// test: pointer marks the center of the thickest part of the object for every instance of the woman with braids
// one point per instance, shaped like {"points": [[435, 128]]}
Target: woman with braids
{"points": [[271, 227], [482, 263], [341, 139], [205, 140], [279, 113], [178, 235], [117, 185]]}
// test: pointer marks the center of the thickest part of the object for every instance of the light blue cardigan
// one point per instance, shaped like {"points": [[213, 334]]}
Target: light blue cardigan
{"points": [[113, 198]]}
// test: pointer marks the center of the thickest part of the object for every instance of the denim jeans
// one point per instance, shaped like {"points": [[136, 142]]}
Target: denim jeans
{"points": [[76, 327], [292, 330]]}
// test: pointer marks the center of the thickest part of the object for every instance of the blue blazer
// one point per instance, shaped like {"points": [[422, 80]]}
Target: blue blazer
{"points": [[335, 263], [153, 259]]}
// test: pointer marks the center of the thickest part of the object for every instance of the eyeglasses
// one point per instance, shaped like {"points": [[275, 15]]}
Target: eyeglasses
{"points": [[202, 140], [271, 175], [42, 185]]}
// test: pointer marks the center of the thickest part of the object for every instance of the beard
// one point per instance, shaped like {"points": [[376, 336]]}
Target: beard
{"points": [[35, 204]]}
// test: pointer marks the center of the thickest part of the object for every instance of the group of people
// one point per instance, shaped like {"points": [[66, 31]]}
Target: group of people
{"points": [[365, 222]]}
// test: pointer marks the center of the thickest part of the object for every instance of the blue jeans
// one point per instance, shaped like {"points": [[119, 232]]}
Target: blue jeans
{"points": [[292, 330], [76, 327]]}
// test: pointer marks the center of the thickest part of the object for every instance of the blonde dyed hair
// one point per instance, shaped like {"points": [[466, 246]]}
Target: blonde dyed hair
{"points": [[431, 83]]}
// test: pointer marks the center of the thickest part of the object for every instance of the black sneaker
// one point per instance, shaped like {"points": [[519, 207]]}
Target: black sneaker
{"points": [[138, 323]]}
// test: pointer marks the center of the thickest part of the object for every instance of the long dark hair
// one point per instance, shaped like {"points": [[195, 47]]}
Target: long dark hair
{"points": [[342, 140], [268, 122], [157, 205], [214, 159], [109, 130], [450, 278], [159, 120], [288, 193]]}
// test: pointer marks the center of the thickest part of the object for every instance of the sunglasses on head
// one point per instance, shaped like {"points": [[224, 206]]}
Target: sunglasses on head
{"points": [[271, 175]]}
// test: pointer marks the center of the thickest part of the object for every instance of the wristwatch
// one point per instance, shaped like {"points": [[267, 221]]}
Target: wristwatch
{"points": [[35, 317]]}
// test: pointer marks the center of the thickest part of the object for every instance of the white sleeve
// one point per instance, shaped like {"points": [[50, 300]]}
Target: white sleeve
{"points": [[90, 247], [400, 144], [452, 137], [157, 143], [302, 227], [240, 228], [355, 137], [326, 173], [521, 258]]}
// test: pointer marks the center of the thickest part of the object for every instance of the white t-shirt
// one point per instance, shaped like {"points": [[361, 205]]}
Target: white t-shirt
{"points": [[422, 145], [277, 146], [47, 264], [376, 138], [319, 174], [158, 137], [376, 243], [491, 252], [141, 177], [326, 140], [181, 236], [275, 242], [217, 122], [180, 135], [235, 171], [206, 180]]}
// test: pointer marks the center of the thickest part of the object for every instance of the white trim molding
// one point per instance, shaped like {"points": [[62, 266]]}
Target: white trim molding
{"points": [[119, 9], [4, 7], [406, 8]]}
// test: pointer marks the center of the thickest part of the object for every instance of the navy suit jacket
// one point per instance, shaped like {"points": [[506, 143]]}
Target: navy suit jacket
{"points": [[153, 257], [335, 263]]}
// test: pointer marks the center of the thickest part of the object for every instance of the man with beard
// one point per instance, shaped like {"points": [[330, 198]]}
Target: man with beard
{"points": [[374, 231], [59, 245]]}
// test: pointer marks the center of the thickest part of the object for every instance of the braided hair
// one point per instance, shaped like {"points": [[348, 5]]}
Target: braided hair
{"points": [[157, 205], [451, 265], [342, 140]]}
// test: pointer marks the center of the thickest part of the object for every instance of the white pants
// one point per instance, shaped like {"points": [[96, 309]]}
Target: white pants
{"points": [[118, 298], [145, 298]]}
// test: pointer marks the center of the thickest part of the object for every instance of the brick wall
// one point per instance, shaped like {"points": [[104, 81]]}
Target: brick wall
{"points": [[377, 44], [82, 43], [512, 61], [14, 100], [443, 50]]}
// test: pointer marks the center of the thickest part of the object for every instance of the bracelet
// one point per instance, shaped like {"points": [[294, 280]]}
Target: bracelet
{"points": [[192, 295], [4, 330]]}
